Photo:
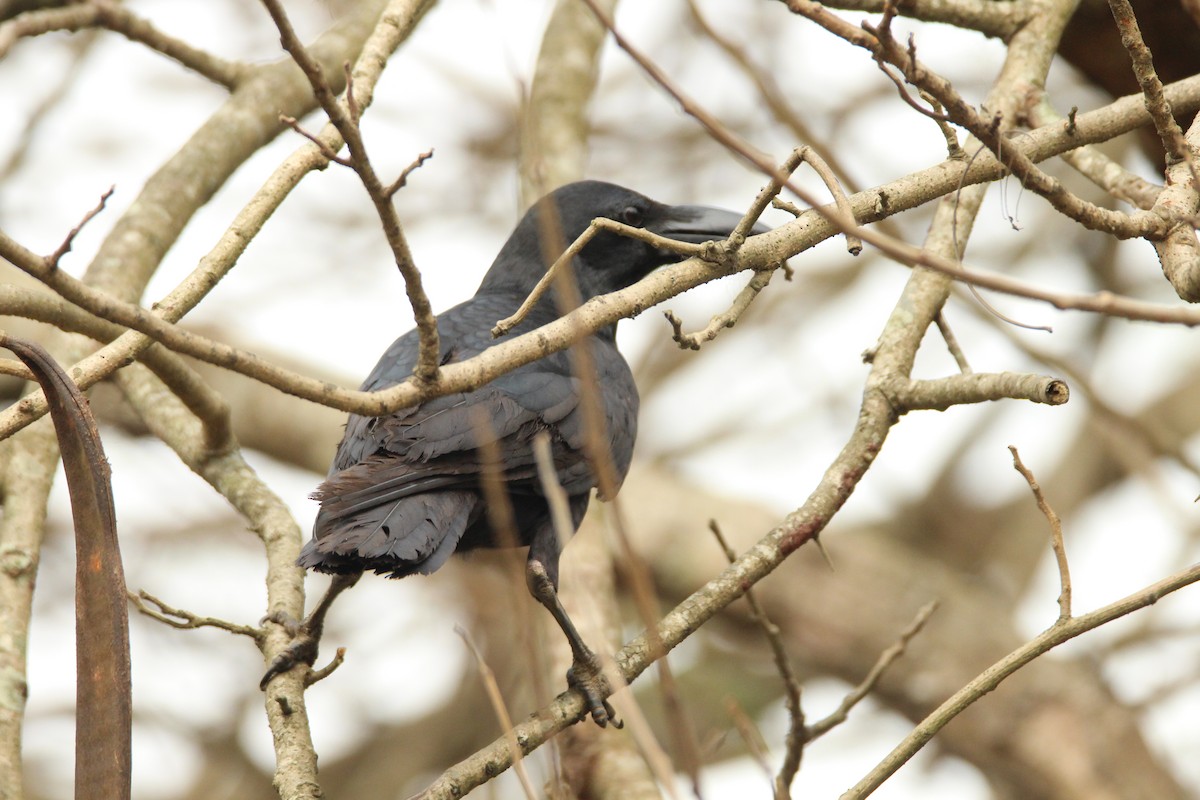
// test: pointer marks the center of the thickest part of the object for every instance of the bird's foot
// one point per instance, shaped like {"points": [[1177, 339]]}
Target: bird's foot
{"points": [[306, 636], [303, 649], [587, 677]]}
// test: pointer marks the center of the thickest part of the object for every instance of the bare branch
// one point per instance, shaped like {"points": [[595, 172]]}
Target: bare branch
{"points": [[316, 675], [1143, 69], [186, 620], [814, 159], [429, 354], [878, 41], [328, 152], [1062, 631], [952, 345], [118, 18]]}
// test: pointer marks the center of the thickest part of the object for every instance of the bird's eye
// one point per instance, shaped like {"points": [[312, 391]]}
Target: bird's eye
{"points": [[632, 216]]}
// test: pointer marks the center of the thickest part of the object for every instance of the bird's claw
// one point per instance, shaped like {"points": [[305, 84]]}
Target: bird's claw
{"points": [[302, 650], [587, 678]]}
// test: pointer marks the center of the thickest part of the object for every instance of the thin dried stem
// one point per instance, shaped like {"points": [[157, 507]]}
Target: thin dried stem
{"points": [[751, 736], [798, 734], [685, 249], [552, 490], [500, 709], [1056, 535], [639, 727], [402, 180]]}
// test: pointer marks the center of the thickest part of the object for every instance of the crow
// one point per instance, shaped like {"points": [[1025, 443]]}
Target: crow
{"points": [[407, 490]]}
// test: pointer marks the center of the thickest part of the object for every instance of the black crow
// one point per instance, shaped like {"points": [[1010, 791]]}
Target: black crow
{"points": [[405, 490]]}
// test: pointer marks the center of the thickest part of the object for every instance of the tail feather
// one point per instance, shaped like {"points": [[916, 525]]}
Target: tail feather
{"points": [[413, 534]]}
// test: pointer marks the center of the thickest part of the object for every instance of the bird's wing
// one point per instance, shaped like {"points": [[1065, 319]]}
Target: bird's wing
{"points": [[446, 442], [407, 504]]}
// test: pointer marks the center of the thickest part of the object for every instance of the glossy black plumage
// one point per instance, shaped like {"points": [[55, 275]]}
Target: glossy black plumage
{"points": [[404, 490]]}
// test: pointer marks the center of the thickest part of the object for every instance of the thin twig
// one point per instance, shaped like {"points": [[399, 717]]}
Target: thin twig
{"points": [[402, 180], [726, 319], [352, 107], [552, 490], [639, 727], [429, 352], [952, 345], [505, 325], [751, 736], [810, 155], [977, 387], [186, 620], [885, 660], [953, 148], [1056, 535], [327, 151], [119, 19], [314, 675], [685, 249], [64, 248]]}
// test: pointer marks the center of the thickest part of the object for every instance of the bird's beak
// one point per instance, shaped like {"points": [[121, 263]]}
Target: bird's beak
{"points": [[698, 224]]}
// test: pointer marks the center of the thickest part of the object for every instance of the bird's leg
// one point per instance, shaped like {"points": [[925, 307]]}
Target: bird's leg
{"points": [[585, 674], [306, 635]]}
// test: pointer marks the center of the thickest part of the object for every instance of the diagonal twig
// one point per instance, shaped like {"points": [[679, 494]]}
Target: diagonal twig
{"points": [[1056, 535]]}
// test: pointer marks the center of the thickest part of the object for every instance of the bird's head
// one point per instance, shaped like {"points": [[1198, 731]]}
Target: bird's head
{"points": [[609, 261]]}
